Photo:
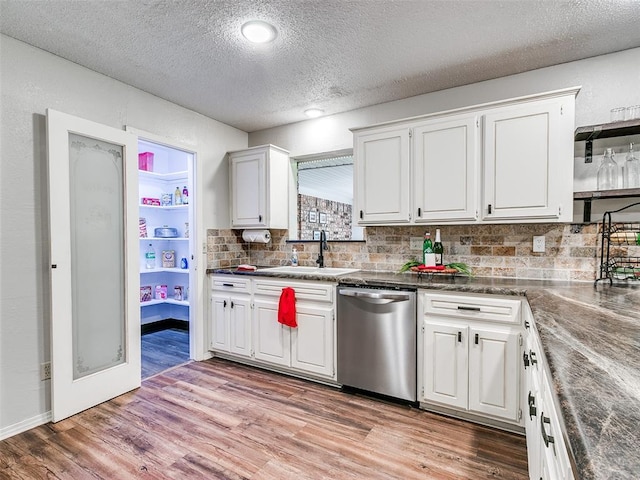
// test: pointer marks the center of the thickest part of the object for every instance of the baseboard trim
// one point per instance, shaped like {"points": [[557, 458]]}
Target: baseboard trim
{"points": [[25, 425], [164, 325]]}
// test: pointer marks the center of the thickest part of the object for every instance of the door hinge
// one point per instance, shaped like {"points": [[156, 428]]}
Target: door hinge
{"points": [[422, 328], [520, 339], [410, 132], [560, 210], [519, 414], [561, 109], [477, 123]]}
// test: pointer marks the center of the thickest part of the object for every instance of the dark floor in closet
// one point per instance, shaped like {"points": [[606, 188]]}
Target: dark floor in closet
{"points": [[164, 349]]}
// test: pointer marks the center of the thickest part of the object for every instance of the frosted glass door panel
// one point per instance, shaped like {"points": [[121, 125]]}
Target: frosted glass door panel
{"points": [[97, 254]]}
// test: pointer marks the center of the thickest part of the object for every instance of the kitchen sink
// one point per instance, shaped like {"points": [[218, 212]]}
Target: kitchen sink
{"points": [[328, 271]]}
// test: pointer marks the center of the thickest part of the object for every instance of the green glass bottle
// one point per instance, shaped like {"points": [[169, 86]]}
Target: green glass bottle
{"points": [[438, 249], [427, 247]]}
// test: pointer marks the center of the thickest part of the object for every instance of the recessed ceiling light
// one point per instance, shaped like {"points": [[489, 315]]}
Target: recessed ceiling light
{"points": [[257, 31], [313, 112]]}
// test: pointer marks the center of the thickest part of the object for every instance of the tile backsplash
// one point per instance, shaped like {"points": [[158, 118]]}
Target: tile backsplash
{"points": [[489, 250]]}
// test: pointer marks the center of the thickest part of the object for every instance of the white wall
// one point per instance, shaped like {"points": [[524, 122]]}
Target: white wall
{"points": [[31, 81], [607, 81]]}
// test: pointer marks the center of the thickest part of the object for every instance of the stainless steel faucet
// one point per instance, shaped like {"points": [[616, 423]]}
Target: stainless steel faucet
{"points": [[323, 246]]}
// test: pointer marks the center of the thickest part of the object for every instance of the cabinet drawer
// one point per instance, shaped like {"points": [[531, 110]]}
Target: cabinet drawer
{"points": [[230, 283], [472, 307], [318, 292]]}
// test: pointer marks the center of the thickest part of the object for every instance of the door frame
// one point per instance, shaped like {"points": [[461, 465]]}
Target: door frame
{"points": [[198, 349]]}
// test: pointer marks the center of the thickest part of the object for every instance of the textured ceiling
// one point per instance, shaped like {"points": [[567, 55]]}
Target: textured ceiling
{"points": [[337, 55]]}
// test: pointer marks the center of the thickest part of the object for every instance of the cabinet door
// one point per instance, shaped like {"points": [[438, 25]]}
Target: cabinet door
{"points": [[219, 323], [382, 189], [445, 159], [312, 343], [272, 340], [493, 373], [248, 189], [445, 364], [531, 404], [528, 158], [240, 325]]}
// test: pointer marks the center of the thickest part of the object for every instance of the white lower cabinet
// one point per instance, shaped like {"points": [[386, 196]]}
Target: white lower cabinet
{"points": [[230, 314], [310, 347], [272, 339], [247, 325], [547, 451], [470, 360]]}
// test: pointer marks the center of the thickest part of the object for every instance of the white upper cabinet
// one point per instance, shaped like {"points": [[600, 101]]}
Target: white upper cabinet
{"points": [[519, 168], [445, 159], [382, 176], [259, 187], [528, 172]]}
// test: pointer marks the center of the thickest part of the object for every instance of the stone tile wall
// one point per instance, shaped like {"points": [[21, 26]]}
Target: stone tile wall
{"points": [[490, 250], [338, 218]]}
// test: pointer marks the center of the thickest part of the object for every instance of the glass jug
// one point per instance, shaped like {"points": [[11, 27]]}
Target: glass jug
{"points": [[631, 174], [608, 172]]}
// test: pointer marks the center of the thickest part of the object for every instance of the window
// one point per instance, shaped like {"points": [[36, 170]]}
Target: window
{"points": [[324, 197]]}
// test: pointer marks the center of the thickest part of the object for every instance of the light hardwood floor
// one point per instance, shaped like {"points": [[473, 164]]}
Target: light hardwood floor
{"points": [[216, 419]]}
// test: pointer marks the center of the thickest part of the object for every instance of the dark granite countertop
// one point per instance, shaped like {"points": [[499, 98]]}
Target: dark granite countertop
{"points": [[591, 338]]}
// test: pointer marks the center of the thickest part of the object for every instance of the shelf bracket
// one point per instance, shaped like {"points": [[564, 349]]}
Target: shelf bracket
{"points": [[586, 213], [588, 151]]}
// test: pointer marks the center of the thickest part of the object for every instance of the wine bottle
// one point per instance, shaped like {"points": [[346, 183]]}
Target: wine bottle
{"points": [[438, 249]]}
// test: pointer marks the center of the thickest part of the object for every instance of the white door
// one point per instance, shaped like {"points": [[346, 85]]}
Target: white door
{"points": [[526, 161], [248, 188], [382, 188], [445, 364], [445, 154], [95, 324], [240, 325], [272, 339], [312, 342], [493, 373], [219, 322]]}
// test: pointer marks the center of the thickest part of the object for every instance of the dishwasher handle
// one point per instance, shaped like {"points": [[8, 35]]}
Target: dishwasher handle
{"points": [[374, 295]]}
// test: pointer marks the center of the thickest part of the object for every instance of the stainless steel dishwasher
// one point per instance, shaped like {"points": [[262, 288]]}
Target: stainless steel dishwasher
{"points": [[376, 330]]}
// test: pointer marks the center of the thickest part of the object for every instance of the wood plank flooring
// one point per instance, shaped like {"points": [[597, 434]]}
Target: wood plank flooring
{"points": [[164, 349], [216, 419]]}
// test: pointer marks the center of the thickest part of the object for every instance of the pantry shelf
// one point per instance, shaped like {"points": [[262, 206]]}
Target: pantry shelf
{"points": [[165, 207], [166, 301], [158, 270], [173, 176], [169, 239]]}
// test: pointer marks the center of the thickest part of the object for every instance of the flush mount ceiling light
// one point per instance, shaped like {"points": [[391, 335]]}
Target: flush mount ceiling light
{"points": [[313, 112], [257, 31]]}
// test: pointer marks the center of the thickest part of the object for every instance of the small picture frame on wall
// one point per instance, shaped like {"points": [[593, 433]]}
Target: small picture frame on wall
{"points": [[316, 234], [323, 218], [313, 217]]}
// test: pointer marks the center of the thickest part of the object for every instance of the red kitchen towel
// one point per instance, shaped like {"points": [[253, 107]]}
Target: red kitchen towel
{"points": [[287, 307]]}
